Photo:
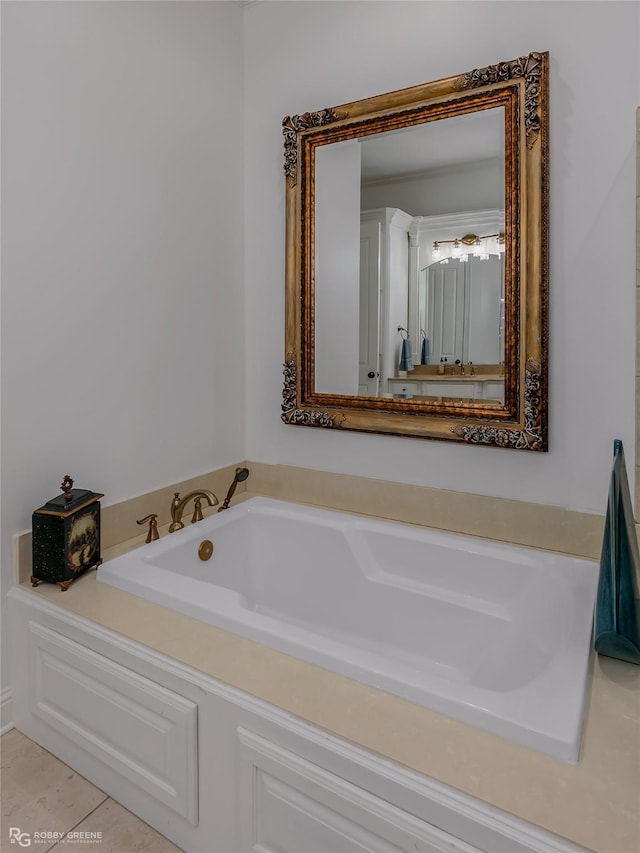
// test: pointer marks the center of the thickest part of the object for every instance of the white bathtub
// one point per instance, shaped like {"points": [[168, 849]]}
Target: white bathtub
{"points": [[494, 635]]}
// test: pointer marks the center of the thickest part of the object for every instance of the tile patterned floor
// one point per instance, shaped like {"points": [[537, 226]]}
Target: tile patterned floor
{"points": [[41, 794]]}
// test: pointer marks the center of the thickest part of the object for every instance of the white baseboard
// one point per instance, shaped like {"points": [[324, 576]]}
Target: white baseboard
{"points": [[6, 710]]}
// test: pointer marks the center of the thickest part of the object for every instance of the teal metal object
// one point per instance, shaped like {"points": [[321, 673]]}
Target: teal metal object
{"points": [[617, 626]]}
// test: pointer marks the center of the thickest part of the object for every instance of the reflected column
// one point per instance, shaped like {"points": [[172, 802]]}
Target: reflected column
{"points": [[414, 300]]}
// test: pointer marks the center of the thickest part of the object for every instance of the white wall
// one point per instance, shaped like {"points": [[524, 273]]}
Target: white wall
{"points": [[122, 207], [306, 56], [337, 268]]}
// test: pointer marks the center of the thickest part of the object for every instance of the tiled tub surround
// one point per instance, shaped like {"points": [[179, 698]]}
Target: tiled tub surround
{"points": [[593, 803]]}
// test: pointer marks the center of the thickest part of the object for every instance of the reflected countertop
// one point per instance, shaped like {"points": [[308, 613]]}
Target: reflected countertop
{"points": [[447, 377]]}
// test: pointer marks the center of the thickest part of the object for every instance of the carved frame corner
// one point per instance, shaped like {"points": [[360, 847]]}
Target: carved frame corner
{"points": [[532, 69], [291, 414], [532, 436]]}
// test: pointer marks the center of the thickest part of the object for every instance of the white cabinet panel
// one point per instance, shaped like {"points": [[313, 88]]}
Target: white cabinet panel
{"points": [[293, 806], [141, 730], [455, 388], [402, 387], [494, 390], [465, 389]]}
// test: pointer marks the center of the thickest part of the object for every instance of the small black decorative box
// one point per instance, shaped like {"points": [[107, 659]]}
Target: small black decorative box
{"points": [[66, 536]]}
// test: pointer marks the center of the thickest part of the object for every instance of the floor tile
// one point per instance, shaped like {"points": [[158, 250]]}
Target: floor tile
{"points": [[121, 832], [39, 792]]}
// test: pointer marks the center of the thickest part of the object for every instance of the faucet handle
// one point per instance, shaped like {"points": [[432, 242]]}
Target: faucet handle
{"points": [[197, 511], [152, 533]]}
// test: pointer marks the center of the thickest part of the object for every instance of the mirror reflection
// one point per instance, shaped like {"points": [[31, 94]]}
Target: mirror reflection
{"points": [[416, 264], [409, 262]]}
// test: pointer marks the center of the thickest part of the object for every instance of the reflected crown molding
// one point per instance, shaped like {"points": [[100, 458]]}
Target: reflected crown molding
{"points": [[440, 171]]}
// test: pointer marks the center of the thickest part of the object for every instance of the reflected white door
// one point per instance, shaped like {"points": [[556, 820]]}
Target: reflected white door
{"points": [[485, 338], [462, 308], [446, 311], [369, 343]]}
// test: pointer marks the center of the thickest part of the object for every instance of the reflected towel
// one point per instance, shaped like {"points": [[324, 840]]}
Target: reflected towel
{"points": [[406, 355], [617, 624], [425, 354]]}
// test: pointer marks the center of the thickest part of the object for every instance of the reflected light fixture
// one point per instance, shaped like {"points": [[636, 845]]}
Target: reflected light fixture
{"points": [[470, 244]]}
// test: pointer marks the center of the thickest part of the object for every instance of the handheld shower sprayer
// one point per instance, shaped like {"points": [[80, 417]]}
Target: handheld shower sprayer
{"points": [[240, 477]]}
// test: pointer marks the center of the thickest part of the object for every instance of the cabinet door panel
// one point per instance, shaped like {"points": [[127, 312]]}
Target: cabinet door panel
{"points": [[465, 390], [141, 730], [290, 805]]}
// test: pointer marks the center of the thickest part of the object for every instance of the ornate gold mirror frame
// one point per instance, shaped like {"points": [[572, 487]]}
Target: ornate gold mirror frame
{"points": [[519, 86]]}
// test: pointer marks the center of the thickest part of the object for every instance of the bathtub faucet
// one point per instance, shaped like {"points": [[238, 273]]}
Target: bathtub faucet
{"points": [[178, 504]]}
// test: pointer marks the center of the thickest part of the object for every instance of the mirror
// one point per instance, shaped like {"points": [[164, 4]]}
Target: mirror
{"points": [[417, 260]]}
